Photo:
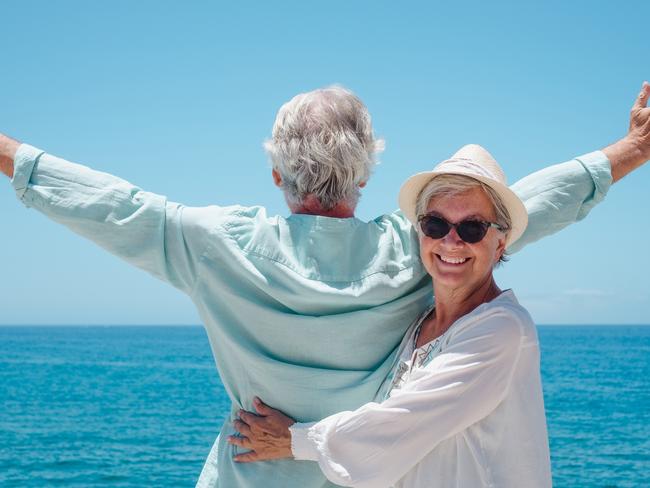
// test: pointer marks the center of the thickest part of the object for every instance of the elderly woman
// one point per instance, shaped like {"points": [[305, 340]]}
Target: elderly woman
{"points": [[463, 406]]}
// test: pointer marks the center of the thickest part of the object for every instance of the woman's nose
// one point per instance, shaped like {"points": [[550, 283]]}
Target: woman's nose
{"points": [[452, 238]]}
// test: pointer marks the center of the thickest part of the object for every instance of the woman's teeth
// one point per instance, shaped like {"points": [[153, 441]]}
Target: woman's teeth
{"points": [[451, 260]]}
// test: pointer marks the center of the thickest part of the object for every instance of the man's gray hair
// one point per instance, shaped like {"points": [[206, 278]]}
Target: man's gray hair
{"points": [[451, 184], [323, 145]]}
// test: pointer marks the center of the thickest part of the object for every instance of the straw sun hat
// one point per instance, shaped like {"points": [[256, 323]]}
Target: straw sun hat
{"points": [[474, 161]]}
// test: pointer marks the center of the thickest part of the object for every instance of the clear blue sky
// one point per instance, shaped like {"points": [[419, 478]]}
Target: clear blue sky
{"points": [[177, 97]]}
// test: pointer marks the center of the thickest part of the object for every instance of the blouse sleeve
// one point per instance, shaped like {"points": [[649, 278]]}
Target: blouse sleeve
{"points": [[377, 444]]}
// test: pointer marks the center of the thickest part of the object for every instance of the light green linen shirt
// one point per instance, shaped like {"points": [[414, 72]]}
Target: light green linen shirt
{"points": [[304, 311]]}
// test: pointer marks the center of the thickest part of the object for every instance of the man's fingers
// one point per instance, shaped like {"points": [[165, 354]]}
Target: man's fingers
{"points": [[242, 427], [642, 100], [240, 441], [247, 457]]}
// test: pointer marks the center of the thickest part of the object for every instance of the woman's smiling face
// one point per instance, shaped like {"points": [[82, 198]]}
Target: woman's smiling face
{"points": [[452, 262]]}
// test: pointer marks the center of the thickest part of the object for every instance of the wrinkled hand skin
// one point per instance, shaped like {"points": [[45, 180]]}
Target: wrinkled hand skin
{"points": [[633, 150], [265, 434], [639, 129]]}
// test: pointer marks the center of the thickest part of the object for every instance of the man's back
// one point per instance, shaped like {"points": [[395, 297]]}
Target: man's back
{"points": [[304, 312]]}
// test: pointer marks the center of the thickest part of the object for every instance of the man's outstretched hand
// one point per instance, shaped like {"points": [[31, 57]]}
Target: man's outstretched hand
{"points": [[640, 118], [8, 148], [634, 149]]}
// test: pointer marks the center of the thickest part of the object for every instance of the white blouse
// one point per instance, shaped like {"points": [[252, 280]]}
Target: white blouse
{"points": [[465, 410]]}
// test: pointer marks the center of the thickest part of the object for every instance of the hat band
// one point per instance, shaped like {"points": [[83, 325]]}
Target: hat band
{"points": [[466, 166]]}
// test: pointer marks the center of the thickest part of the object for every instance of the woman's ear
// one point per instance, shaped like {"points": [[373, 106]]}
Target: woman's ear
{"points": [[501, 249]]}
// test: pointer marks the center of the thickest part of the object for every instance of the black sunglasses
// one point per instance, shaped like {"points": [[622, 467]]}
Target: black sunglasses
{"points": [[470, 230]]}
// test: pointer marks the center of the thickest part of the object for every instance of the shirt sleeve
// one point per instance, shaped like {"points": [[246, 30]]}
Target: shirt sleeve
{"points": [[377, 444], [563, 194], [144, 229]]}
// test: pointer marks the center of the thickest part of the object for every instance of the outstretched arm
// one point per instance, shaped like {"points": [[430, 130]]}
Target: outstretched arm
{"points": [[563, 194], [163, 238]]}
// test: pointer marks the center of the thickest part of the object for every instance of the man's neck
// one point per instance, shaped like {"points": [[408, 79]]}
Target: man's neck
{"points": [[312, 206]]}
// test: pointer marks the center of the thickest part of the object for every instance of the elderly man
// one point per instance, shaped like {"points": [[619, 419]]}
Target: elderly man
{"points": [[305, 311]]}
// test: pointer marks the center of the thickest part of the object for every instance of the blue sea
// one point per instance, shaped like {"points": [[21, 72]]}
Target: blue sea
{"points": [[141, 406]]}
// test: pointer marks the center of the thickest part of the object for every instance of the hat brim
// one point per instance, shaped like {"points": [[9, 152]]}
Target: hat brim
{"points": [[412, 187]]}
